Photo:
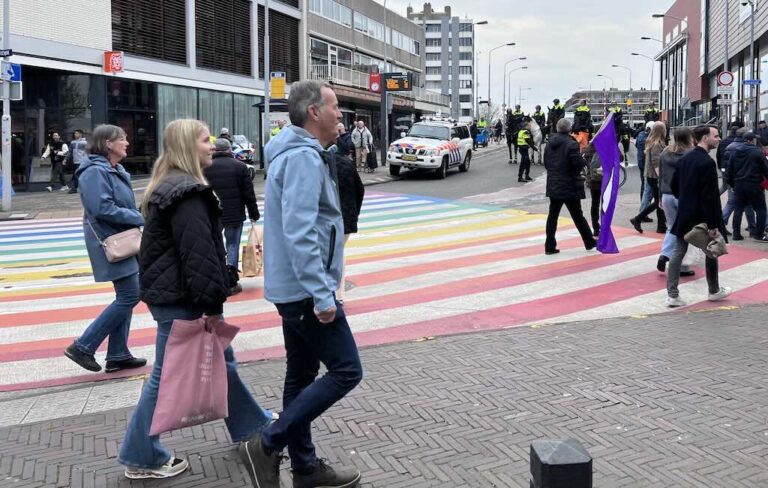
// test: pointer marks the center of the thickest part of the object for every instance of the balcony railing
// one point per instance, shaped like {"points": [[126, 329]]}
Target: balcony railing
{"points": [[359, 79]]}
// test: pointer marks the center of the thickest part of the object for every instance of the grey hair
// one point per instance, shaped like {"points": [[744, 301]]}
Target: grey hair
{"points": [[101, 135], [304, 94], [564, 126]]}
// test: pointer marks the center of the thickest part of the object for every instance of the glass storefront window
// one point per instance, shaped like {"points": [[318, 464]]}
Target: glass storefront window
{"points": [[174, 102], [216, 110], [246, 119]]}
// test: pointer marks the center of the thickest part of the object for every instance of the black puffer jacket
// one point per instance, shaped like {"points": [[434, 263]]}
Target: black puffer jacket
{"points": [[564, 164], [231, 181], [351, 192], [182, 259]]}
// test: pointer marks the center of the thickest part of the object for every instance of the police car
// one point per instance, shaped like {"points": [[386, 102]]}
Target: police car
{"points": [[433, 144]]}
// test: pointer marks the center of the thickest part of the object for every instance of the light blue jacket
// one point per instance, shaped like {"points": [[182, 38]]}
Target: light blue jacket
{"points": [[303, 228], [110, 206]]}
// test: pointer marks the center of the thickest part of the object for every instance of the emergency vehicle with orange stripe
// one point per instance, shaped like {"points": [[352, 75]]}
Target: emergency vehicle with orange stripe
{"points": [[433, 144]]}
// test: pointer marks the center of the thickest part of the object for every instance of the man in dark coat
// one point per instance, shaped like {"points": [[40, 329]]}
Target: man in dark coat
{"points": [[745, 170], [696, 189], [565, 185], [231, 181], [473, 132], [351, 194]]}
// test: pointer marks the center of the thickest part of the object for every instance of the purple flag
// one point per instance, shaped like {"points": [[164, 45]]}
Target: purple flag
{"points": [[607, 148]]}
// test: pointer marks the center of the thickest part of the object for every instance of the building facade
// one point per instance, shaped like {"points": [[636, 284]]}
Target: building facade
{"points": [[182, 58], [683, 91], [346, 44], [449, 54]]}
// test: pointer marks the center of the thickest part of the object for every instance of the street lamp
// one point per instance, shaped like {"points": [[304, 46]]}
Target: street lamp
{"points": [[646, 38], [510, 77], [653, 65], [520, 96], [606, 76], [630, 74], [504, 98], [661, 16], [474, 68], [752, 88], [489, 70]]}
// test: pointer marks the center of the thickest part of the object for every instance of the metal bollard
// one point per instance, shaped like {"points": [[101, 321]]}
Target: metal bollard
{"points": [[560, 464]]}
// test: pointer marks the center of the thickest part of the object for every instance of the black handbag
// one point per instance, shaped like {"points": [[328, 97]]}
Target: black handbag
{"points": [[371, 162]]}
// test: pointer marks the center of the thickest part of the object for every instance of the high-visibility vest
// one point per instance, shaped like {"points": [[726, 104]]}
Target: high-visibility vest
{"points": [[559, 106], [522, 137], [582, 108], [482, 124], [275, 131], [651, 110], [615, 109], [518, 113]]}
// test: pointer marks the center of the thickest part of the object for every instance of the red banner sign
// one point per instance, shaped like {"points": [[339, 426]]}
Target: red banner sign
{"points": [[374, 82]]}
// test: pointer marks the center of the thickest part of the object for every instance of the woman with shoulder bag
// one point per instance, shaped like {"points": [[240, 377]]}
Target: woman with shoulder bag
{"points": [[183, 276], [109, 208]]}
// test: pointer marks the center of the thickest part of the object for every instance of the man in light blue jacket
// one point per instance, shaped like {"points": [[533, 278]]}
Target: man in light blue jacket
{"points": [[303, 242]]}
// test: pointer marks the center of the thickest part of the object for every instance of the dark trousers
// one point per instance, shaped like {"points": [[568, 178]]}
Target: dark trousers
{"points": [[654, 205], [57, 173], [307, 344], [749, 195], [525, 162], [73, 182], [574, 208], [595, 209], [509, 146], [676, 262]]}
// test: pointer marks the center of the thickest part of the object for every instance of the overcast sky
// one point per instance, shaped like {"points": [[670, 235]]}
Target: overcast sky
{"points": [[567, 43]]}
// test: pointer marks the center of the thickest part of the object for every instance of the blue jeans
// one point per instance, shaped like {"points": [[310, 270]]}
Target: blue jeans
{"points": [[307, 344], [645, 201], [730, 206], [232, 237], [246, 417], [669, 202], [113, 322]]}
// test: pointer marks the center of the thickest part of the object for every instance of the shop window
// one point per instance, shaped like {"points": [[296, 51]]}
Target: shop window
{"points": [[223, 29], [284, 45], [216, 109], [174, 102], [151, 28]]}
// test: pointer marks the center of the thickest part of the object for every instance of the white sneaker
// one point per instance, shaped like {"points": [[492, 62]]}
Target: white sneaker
{"points": [[49, 188], [674, 302], [720, 295], [173, 467], [64, 188]]}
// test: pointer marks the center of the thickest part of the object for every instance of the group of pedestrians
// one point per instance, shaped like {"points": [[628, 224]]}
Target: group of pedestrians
{"points": [[65, 158], [183, 272]]}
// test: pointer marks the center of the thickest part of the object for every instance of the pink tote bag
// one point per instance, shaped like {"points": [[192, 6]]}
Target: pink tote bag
{"points": [[193, 383]]}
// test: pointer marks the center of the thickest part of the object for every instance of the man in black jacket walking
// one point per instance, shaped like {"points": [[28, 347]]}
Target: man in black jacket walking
{"points": [[565, 185], [745, 170], [695, 186], [231, 181]]}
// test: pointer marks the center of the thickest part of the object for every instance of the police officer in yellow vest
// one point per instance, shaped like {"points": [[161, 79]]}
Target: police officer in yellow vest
{"points": [[540, 119], [618, 119], [556, 112], [482, 124], [524, 144], [276, 130], [515, 120], [651, 113], [582, 118]]}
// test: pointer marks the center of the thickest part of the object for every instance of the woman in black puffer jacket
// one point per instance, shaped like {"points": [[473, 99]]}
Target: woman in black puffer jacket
{"points": [[183, 275], [351, 194]]}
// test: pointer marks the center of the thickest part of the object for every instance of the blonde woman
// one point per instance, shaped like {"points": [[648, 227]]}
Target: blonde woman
{"points": [[654, 146], [183, 276]]}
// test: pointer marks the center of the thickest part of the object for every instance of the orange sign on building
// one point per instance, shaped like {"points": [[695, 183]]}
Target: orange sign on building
{"points": [[113, 62]]}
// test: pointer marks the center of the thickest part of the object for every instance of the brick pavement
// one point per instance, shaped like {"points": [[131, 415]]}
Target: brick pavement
{"points": [[667, 400]]}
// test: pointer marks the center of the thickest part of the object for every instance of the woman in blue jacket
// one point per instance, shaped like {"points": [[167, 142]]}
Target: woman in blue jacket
{"points": [[109, 207]]}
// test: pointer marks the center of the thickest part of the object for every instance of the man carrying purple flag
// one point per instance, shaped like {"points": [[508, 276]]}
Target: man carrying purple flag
{"points": [[565, 185], [606, 147]]}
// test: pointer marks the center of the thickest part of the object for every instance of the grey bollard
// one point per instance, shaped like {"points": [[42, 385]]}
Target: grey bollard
{"points": [[560, 464]]}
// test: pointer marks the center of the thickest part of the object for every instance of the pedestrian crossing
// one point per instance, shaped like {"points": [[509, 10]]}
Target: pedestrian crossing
{"points": [[419, 266]]}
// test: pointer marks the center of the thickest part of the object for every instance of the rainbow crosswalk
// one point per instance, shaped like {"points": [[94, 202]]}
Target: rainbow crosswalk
{"points": [[420, 267]]}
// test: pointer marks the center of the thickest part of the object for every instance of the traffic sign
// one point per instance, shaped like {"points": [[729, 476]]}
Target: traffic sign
{"points": [[725, 78], [752, 82], [10, 71], [725, 90]]}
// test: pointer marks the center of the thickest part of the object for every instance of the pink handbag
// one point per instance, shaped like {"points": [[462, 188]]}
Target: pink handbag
{"points": [[193, 383]]}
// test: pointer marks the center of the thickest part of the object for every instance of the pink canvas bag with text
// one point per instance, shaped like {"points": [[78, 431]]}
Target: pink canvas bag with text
{"points": [[193, 383]]}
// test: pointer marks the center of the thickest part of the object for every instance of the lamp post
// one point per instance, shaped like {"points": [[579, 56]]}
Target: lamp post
{"points": [[6, 120], [520, 96], [606, 76], [752, 88], [489, 70], [510, 78], [646, 38], [504, 98], [474, 70], [653, 65], [630, 87]]}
